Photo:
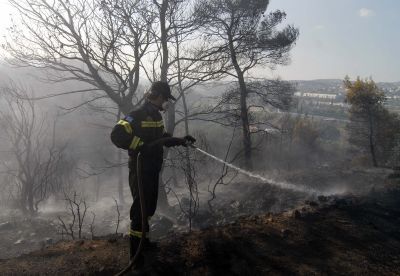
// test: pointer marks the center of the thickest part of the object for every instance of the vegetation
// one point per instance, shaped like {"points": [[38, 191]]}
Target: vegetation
{"points": [[372, 127], [246, 37], [93, 60], [37, 165], [109, 50]]}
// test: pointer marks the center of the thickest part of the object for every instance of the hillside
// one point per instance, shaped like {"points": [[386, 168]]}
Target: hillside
{"points": [[348, 235]]}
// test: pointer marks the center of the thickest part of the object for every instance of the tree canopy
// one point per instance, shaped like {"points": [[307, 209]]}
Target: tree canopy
{"points": [[372, 127]]}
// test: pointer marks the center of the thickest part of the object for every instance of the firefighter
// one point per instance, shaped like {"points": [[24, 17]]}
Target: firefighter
{"points": [[142, 131]]}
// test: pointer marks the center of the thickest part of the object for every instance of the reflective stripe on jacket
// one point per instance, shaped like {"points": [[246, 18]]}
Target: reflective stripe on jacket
{"points": [[138, 129]]}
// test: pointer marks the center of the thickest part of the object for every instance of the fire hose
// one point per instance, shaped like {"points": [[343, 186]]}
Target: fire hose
{"points": [[143, 212], [165, 141], [162, 141]]}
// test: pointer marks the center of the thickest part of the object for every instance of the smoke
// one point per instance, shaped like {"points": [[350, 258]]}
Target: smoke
{"points": [[270, 181]]}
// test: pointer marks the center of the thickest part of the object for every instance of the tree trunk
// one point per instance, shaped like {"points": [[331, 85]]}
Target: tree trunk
{"points": [[30, 199], [126, 107], [245, 124], [170, 118], [371, 141], [164, 41], [23, 198], [120, 180], [187, 153], [120, 171], [97, 187], [243, 106], [169, 126]]}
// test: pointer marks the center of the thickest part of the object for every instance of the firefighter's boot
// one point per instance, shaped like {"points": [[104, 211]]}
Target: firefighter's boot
{"points": [[133, 247]]}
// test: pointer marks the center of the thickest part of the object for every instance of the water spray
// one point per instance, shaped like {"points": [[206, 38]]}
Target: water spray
{"points": [[280, 184]]}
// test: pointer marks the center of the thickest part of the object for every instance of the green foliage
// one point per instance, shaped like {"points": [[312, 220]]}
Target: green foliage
{"points": [[363, 96], [245, 28], [244, 36], [372, 127]]}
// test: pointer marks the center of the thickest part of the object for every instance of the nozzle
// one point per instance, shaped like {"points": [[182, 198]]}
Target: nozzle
{"points": [[191, 145]]}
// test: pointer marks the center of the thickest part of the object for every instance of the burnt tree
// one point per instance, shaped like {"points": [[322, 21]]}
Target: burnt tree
{"points": [[248, 36]]}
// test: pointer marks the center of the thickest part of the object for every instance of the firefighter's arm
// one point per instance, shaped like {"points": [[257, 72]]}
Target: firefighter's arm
{"points": [[175, 141], [123, 135], [169, 141]]}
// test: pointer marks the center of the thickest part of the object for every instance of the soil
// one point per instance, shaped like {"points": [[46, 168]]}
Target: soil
{"points": [[21, 235], [346, 235]]}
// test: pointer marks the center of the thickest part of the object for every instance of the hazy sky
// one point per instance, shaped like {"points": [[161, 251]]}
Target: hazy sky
{"points": [[337, 37]]}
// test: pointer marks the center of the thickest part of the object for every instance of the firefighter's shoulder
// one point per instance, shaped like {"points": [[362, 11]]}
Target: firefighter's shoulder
{"points": [[135, 115], [121, 134]]}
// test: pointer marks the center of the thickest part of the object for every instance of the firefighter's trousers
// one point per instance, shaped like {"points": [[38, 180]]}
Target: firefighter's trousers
{"points": [[150, 179]]}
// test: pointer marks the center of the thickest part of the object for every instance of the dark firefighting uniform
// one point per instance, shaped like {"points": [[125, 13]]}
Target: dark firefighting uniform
{"points": [[135, 132]]}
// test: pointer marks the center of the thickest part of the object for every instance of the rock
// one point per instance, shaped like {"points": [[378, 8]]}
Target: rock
{"points": [[20, 241]]}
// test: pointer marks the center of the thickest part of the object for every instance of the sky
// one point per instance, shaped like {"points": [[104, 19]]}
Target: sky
{"points": [[343, 37], [337, 38]]}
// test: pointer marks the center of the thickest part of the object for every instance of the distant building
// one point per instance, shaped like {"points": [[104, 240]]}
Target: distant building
{"points": [[319, 95]]}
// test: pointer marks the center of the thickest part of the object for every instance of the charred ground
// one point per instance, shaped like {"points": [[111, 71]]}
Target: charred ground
{"points": [[332, 235]]}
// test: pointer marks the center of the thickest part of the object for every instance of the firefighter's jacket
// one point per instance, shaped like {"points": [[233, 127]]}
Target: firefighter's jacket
{"points": [[136, 131]]}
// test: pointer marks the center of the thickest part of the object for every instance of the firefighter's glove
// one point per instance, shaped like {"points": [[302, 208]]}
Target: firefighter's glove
{"points": [[190, 140], [174, 141]]}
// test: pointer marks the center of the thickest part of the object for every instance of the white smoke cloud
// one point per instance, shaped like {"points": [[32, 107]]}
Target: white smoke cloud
{"points": [[364, 12]]}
